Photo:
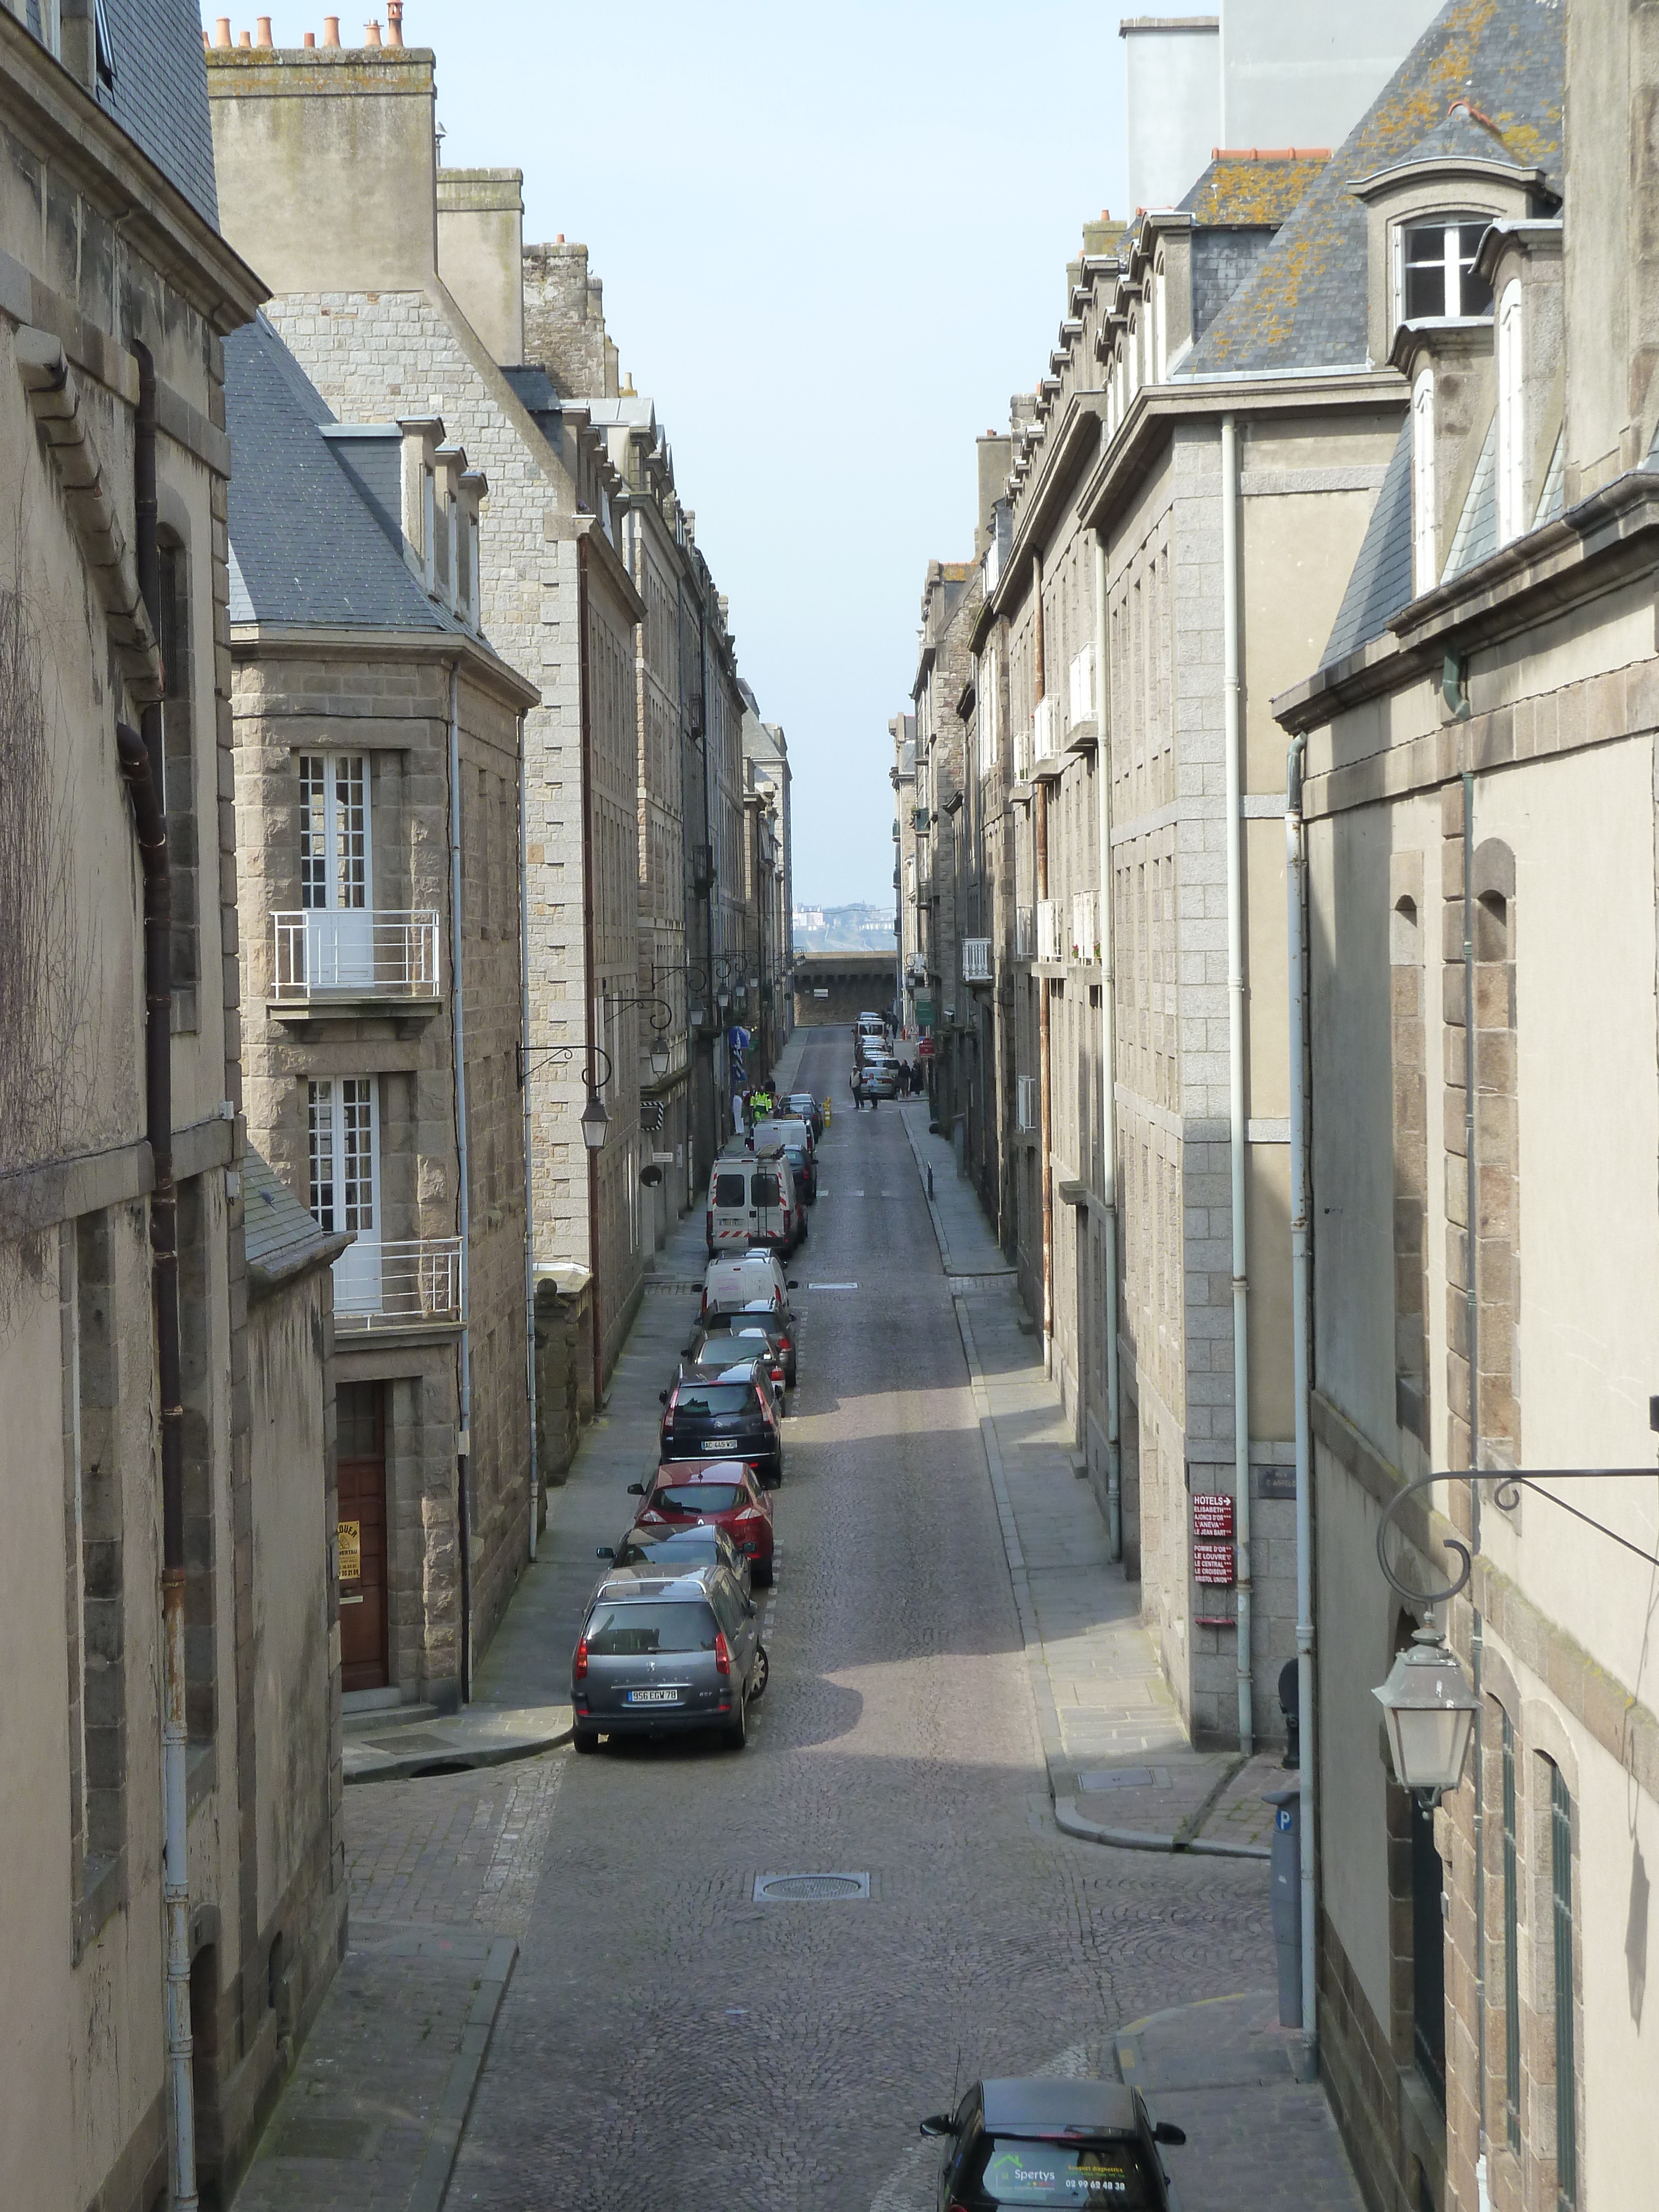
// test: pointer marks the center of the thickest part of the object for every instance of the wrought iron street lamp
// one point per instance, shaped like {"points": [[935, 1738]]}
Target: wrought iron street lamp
{"points": [[1430, 1711], [596, 1122], [661, 1021]]}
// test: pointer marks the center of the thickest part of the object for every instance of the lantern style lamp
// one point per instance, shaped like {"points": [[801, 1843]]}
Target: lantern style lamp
{"points": [[1430, 1710], [660, 1054], [595, 1122]]}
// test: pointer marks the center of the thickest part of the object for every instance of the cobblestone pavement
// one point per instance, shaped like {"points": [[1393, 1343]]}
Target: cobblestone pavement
{"points": [[669, 2041]]}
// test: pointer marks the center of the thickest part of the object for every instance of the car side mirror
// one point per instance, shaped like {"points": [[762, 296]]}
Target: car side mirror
{"points": [[750, 1607], [937, 2123], [1166, 2131], [604, 1551], [662, 1395], [636, 1490]]}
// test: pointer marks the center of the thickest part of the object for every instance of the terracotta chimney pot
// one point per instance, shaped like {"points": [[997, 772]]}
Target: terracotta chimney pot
{"points": [[371, 35], [310, 38], [263, 35], [222, 32], [244, 38], [394, 22], [331, 30]]}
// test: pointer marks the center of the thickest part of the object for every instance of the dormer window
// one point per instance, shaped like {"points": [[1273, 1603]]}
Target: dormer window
{"points": [[1438, 277]]}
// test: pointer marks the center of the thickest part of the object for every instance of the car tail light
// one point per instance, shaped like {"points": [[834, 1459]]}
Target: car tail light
{"points": [[777, 1374], [783, 1344], [722, 1654], [579, 1670]]}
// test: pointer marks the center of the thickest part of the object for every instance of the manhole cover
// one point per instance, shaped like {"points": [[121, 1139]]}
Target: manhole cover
{"points": [[781, 1888]]}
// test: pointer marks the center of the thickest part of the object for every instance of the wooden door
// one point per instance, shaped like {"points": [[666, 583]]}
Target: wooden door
{"points": [[359, 1420]]}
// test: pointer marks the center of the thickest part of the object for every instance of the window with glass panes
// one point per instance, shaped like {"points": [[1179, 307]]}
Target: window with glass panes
{"points": [[1437, 276], [334, 846], [1566, 2087], [1511, 1950], [343, 1146]]}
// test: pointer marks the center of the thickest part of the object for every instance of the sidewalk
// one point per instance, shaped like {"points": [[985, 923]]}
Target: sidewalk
{"points": [[1121, 1769]]}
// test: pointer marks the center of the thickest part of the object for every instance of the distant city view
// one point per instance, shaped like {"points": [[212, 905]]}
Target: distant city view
{"points": [[843, 929]]}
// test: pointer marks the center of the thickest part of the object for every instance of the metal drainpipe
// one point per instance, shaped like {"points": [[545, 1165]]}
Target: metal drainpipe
{"points": [[1295, 870], [529, 1192], [589, 970], [1044, 1099], [1471, 1201], [141, 759], [1237, 1127], [1107, 1065], [457, 1033]]}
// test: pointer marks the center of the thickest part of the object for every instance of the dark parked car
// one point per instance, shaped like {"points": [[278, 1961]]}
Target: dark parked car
{"points": [[671, 1550], [660, 1654], [705, 1420], [807, 1108], [721, 1495], [735, 1334], [1052, 2142], [733, 1362]]}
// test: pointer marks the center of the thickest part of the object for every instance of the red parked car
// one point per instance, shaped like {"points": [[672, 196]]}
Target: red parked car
{"points": [[727, 1494]]}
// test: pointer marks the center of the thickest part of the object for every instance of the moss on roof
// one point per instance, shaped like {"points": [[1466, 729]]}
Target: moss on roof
{"points": [[1241, 188]]}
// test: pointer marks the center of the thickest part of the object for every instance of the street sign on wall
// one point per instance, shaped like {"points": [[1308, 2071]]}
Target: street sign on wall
{"points": [[925, 1012], [1213, 1514]]}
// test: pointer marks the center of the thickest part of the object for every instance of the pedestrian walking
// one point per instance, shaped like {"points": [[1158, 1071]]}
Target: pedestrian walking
{"points": [[856, 1081]]}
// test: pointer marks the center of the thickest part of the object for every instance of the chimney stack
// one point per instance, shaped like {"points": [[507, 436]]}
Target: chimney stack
{"points": [[371, 35], [263, 35], [222, 32], [394, 22], [331, 30]]}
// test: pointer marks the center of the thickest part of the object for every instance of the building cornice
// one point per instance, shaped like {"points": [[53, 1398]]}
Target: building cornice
{"points": [[49, 109], [1065, 456], [1589, 550], [250, 641]]}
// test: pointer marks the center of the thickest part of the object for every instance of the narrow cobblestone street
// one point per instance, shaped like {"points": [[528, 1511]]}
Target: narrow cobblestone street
{"points": [[665, 2038]]}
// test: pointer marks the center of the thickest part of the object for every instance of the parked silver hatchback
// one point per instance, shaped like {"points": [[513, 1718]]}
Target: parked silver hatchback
{"points": [[661, 1654]]}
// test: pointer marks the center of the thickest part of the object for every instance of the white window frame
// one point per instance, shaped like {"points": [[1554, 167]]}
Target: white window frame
{"points": [[1447, 221], [1160, 332], [337, 769], [331, 1113], [1425, 576], [1512, 453], [1132, 357]]}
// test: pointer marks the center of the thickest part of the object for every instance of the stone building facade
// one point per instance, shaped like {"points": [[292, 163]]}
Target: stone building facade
{"points": [[113, 616], [950, 604], [359, 816]]}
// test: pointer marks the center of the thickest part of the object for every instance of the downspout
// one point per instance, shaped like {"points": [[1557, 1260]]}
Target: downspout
{"points": [[1294, 869], [1236, 1126], [140, 762], [1108, 1064], [1472, 1232], [529, 1187], [589, 970], [1045, 1128], [457, 1033]]}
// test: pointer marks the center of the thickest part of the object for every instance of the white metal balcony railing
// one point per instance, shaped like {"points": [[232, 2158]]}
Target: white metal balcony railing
{"points": [[1022, 755], [1085, 940], [1082, 687], [1045, 732], [1048, 930], [1025, 1101], [401, 1283], [1024, 932], [355, 951], [993, 565], [975, 959]]}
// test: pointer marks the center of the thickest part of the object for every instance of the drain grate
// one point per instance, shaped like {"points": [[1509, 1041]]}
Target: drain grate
{"points": [[785, 1888]]}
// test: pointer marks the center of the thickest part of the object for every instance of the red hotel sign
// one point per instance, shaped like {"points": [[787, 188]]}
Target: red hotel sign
{"points": [[1212, 1531]]}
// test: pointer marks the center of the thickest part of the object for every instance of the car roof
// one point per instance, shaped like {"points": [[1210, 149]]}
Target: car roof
{"points": [[1020, 2105]]}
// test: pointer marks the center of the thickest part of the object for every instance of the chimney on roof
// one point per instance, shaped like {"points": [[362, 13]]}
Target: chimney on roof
{"points": [[244, 38], [262, 35], [481, 254], [310, 38], [372, 34], [331, 30], [222, 32], [394, 22]]}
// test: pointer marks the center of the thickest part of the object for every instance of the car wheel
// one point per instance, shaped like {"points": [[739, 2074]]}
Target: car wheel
{"points": [[762, 1673], [737, 1732], [585, 1739]]}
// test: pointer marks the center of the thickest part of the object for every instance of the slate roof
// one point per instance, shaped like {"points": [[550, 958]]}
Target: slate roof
{"points": [[305, 546], [1304, 307], [160, 96], [282, 1239], [1238, 189], [533, 389], [1476, 535], [1381, 581]]}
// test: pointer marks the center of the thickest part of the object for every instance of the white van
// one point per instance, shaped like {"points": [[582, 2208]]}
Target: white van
{"points": [[731, 1281], [751, 1201]]}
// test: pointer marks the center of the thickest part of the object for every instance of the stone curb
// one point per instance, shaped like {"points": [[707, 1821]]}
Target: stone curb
{"points": [[1067, 1818], [432, 2182], [416, 1763]]}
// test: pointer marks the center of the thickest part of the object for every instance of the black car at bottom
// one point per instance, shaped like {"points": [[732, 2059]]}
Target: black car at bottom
{"points": [[1051, 2141]]}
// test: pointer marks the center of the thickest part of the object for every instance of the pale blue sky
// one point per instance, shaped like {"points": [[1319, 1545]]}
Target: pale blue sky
{"points": [[833, 242]]}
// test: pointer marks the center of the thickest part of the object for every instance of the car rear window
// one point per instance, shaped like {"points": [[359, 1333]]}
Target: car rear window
{"points": [[713, 1397], [690, 1548], [1012, 2171], [633, 1632], [767, 1190], [699, 1497], [731, 1190]]}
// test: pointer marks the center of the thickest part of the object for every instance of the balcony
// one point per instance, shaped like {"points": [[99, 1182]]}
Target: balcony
{"points": [[1022, 755], [338, 958], [1024, 932], [409, 1283], [1048, 930], [1026, 1102], [975, 959], [1046, 760], [1082, 728]]}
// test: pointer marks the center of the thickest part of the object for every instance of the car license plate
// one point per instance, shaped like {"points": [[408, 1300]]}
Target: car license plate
{"points": [[721, 1444], [653, 1697]]}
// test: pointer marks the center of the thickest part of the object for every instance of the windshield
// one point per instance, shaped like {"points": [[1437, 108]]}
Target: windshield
{"points": [[634, 1631], [731, 1190], [699, 1498], [712, 1398], [694, 1547], [1012, 2171]]}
